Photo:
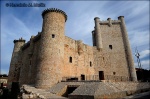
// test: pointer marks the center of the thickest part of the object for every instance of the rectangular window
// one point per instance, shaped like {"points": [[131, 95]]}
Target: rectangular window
{"points": [[70, 59], [53, 35], [114, 73], [110, 46], [82, 77], [90, 64], [101, 75]]}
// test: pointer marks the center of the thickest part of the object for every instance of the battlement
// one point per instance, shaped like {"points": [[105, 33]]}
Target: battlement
{"points": [[54, 10], [109, 21], [20, 40]]}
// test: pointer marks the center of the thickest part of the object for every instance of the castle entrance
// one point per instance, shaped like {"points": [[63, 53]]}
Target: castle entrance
{"points": [[101, 75], [82, 77]]}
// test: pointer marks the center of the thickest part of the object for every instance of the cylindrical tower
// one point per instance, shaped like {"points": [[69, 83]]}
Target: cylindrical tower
{"points": [[15, 64], [128, 50], [93, 38], [51, 53], [98, 33]]}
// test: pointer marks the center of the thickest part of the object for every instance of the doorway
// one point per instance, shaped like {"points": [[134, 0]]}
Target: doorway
{"points": [[69, 90], [82, 77], [101, 75]]}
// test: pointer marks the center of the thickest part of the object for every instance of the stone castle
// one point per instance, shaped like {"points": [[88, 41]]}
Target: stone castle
{"points": [[51, 57]]}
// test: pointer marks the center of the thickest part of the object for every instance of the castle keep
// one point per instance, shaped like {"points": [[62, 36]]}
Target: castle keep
{"points": [[51, 57]]}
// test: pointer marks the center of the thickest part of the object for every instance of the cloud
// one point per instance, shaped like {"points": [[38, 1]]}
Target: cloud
{"points": [[139, 38], [144, 53]]}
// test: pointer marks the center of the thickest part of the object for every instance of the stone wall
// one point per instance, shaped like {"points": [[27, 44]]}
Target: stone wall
{"points": [[29, 61], [81, 58], [51, 56], [112, 58], [24, 73], [86, 60], [51, 50], [16, 62]]}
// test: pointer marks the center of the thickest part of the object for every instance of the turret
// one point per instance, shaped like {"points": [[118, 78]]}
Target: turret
{"points": [[94, 38], [51, 53], [109, 22], [15, 64], [98, 36], [128, 50]]}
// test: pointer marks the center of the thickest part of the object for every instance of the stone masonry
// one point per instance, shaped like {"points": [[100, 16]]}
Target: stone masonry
{"points": [[50, 56]]}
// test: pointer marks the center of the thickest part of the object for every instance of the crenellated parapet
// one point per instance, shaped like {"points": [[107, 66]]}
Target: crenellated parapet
{"points": [[54, 10], [110, 22], [20, 40]]}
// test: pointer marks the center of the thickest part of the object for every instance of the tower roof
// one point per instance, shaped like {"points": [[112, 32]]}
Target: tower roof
{"points": [[54, 10]]}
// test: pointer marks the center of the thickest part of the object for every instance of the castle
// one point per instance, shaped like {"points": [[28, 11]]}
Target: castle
{"points": [[51, 57]]}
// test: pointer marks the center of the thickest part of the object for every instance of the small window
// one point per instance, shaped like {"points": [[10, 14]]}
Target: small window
{"points": [[53, 35], [90, 64], [114, 73], [103, 58], [110, 46], [70, 59]]}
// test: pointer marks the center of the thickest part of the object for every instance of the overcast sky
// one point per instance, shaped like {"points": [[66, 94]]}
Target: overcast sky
{"points": [[24, 22]]}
